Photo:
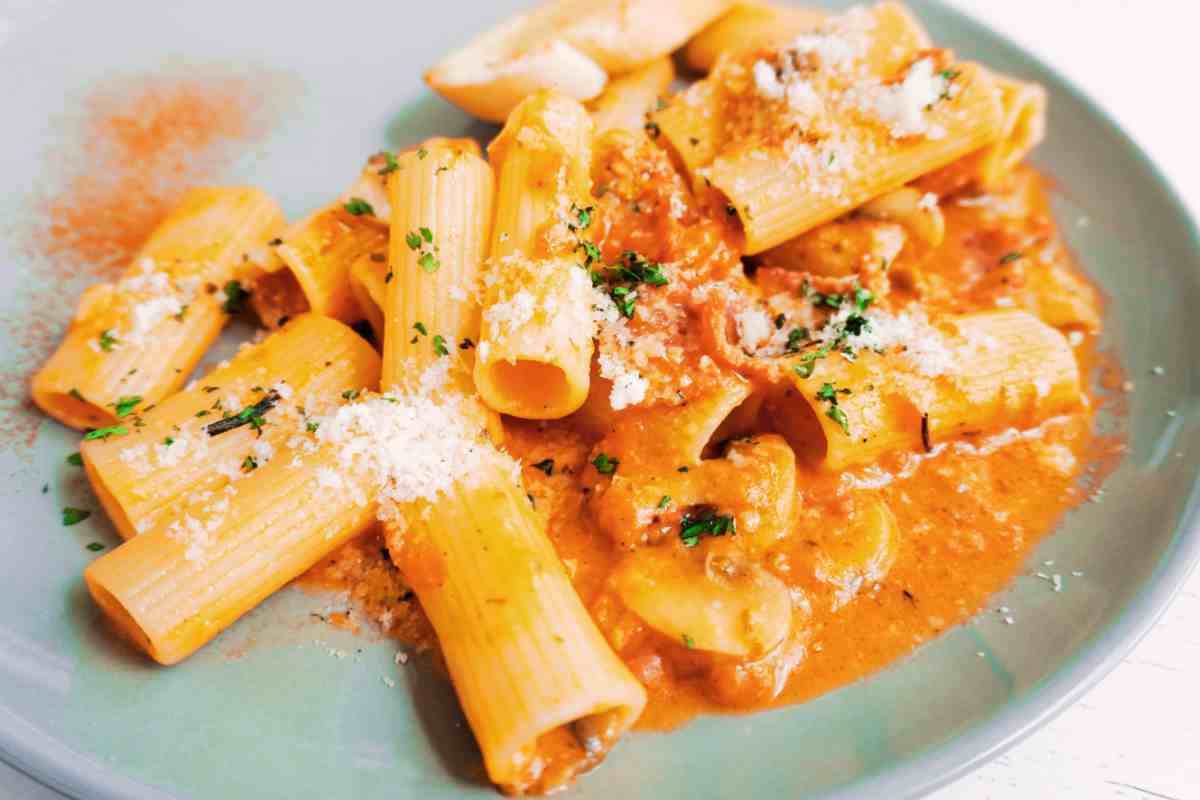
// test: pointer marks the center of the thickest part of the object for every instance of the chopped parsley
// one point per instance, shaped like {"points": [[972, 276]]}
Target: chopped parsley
{"points": [[235, 298], [74, 516], [623, 278], [350, 394], [688, 642], [808, 361], [863, 298], [604, 464], [855, 324], [416, 241], [251, 415], [429, 263], [666, 499], [108, 341], [168, 441], [420, 328], [357, 206], [795, 337], [546, 465], [421, 153], [704, 521], [439, 345], [75, 460], [95, 547], [820, 299], [465, 344], [390, 164], [591, 253], [829, 393], [311, 426], [652, 129], [250, 464], [104, 433], [125, 405], [583, 217], [1008, 258]]}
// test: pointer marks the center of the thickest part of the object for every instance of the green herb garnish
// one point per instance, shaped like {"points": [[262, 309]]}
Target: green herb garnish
{"points": [[74, 516], [235, 298], [604, 464], [251, 415], [75, 460], [357, 206], [390, 165], [705, 521], [104, 433], [125, 405]]}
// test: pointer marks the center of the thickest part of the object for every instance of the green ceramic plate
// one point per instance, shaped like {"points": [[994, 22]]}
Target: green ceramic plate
{"points": [[267, 712]]}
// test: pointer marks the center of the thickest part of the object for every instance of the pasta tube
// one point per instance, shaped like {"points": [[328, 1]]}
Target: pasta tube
{"points": [[569, 46], [544, 693], [1005, 369], [535, 345], [749, 26], [459, 524], [625, 102], [172, 589], [168, 455], [1024, 127], [441, 197], [142, 336], [781, 135], [369, 278], [318, 252]]}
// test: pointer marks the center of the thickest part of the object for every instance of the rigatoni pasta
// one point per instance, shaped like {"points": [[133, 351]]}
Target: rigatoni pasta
{"points": [[172, 589], [535, 345], [142, 336], [626, 101], [441, 198], [185, 446], [986, 372], [714, 408]]}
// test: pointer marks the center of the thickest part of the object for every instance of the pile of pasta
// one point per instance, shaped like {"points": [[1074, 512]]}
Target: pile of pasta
{"points": [[796, 186]]}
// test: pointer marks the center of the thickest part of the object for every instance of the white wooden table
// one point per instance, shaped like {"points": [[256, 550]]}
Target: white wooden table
{"points": [[1137, 734]]}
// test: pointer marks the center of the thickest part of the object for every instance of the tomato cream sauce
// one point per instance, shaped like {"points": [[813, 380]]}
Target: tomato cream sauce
{"points": [[968, 512]]}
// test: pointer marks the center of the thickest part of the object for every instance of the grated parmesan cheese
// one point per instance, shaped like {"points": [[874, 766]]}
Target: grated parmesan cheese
{"points": [[754, 328], [902, 106], [413, 446]]}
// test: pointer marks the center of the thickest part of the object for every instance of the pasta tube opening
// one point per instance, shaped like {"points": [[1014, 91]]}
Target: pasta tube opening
{"points": [[531, 389]]}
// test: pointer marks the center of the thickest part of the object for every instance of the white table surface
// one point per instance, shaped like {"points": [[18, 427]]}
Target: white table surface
{"points": [[1137, 734]]}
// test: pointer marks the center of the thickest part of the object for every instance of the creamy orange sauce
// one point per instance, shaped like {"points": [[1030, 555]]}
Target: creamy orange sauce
{"points": [[968, 513]]}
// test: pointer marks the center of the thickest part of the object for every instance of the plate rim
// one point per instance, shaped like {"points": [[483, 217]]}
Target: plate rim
{"points": [[51, 763]]}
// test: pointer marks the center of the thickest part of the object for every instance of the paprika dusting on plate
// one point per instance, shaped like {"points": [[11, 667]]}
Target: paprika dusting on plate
{"points": [[142, 142], [129, 150]]}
